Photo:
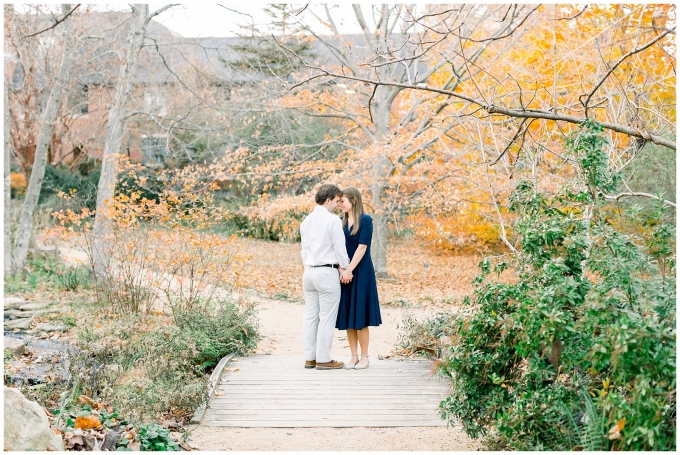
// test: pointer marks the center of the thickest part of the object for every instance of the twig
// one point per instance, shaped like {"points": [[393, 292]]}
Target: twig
{"points": [[572, 17], [637, 194], [611, 69], [53, 25], [490, 108]]}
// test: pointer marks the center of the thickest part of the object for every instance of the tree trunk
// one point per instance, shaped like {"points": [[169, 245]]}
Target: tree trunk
{"points": [[47, 120], [8, 189], [114, 136], [381, 118], [379, 243]]}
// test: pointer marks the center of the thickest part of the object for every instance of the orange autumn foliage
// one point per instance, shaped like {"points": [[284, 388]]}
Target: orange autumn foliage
{"points": [[455, 183], [87, 422]]}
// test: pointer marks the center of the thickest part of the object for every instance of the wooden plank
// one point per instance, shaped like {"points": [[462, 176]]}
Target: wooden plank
{"points": [[279, 414], [327, 417], [311, 404], [313, 388], [306, 407], [277, 392], [320, 404], [319, 423]]}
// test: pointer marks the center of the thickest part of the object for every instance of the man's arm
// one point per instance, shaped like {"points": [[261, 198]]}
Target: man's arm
{"points": [[302, 246], [338, 239]]}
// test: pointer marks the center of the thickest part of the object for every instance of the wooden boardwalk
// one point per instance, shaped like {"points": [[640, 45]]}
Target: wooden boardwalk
{"points": [[277, 391]]}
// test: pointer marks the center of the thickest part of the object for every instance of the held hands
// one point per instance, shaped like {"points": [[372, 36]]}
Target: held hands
{"points": [[345, 276]]}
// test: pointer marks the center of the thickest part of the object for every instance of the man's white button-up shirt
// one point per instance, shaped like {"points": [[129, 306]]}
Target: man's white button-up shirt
{"points": [[323, 241]]}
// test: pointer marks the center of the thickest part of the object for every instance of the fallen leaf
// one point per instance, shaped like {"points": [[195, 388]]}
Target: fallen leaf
{"points": [[615, 431], [88, 422], [73, 441], [84, 399]]}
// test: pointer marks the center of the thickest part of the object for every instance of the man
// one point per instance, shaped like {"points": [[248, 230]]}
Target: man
{"points": [[324, 256]]}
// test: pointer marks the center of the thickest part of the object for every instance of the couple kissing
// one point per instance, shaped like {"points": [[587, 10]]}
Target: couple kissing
{"points": [[339, 279]]}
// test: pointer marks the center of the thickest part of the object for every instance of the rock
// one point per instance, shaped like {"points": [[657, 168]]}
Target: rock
{"points": [[47, 327], [26, 425], [13, 314], [34, 306], [15, 345], [171, 424], [24, 323], [13, 303]]}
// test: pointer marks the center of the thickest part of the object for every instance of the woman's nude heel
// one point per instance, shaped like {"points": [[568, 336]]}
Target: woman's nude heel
{"points": [[351, 367], [361, 367]]}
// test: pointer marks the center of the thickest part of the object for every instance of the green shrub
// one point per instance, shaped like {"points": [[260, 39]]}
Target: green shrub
{"points": [[229, 329], [145, 375], [154, 437], [580, 352], [84, 180]]}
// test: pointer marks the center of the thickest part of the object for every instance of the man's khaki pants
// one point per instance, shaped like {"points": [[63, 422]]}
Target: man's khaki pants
{"points": [[322, 298]]}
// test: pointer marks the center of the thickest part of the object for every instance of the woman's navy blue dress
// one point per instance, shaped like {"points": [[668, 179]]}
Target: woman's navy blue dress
{"points": [[359, 306]]}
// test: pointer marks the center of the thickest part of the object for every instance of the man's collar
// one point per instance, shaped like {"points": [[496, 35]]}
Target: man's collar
{"points": [[321, 207]]}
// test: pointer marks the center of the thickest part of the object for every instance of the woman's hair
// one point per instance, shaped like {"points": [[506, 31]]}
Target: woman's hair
{"points": [[354, 196]]}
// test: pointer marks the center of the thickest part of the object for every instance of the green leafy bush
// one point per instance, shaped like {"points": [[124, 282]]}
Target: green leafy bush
{"points": [[156, 438], [227, 329], [84, 180], [580, 352], [148, 373]]}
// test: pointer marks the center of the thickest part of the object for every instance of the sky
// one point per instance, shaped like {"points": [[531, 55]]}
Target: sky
{"points": [[202, 19], [210, 19]]}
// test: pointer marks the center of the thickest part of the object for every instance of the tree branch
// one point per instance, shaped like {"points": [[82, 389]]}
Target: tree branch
{"points": [[53, 25], [491, 109], [637, 194], [159, 11], [611, 69]]}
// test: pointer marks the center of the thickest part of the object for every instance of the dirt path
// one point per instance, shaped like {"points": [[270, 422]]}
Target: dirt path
{"points": [[281, 326]]}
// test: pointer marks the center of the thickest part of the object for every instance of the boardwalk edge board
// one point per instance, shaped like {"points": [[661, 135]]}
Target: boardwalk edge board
{"points": [[212, 383]]}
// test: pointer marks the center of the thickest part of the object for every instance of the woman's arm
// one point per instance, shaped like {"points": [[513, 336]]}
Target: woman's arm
{"points": [[361, 250]]}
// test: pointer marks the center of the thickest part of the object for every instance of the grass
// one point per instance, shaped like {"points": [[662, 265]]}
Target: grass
{"points": [[147, 366], [47, 275]]}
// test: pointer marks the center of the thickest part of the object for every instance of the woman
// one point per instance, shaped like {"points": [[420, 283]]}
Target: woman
{"points": [[359, 307]]}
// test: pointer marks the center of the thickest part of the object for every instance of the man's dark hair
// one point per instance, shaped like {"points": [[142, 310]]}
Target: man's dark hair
{"points": [[327, 191]]}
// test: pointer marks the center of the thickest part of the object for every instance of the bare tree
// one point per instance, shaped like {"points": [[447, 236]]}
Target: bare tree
{"points": [[46, 122], [445, 37], [8, 189], [486, 103], [115, 130], [401, 50]]}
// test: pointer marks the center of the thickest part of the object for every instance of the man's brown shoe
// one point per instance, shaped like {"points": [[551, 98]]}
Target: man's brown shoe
{"points": [[332, 365], [310, 363]]}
